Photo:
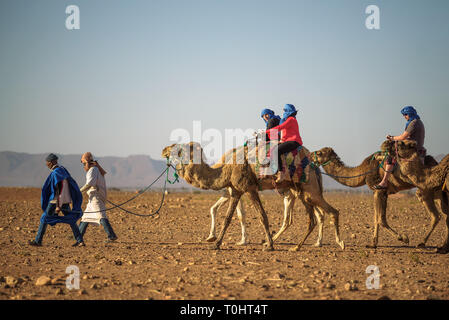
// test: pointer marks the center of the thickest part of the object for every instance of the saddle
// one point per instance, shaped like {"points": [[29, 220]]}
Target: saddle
{"points": [[293, 164]]}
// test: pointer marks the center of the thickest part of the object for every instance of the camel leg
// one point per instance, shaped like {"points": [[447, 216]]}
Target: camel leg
{"points": [[319, 215], [427, 200], [235, 197], [380, 209], [445, 207], [213, 211], [254, 195], [289, 203], [241, 214], [312, 223], [326, 207]]}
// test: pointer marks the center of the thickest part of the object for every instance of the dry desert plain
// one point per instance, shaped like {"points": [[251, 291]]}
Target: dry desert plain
{"points": [[167, 257]]}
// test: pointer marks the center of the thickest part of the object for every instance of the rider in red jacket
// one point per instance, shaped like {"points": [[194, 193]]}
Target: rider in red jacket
{"points": [[290, 137]]}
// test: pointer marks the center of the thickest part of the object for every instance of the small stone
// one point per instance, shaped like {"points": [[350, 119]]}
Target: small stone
{"points": [[330, 286], [431, 288], [11, 281], [57, 281], [59, 291], [95, 286], [350, 287], [43, 281]]}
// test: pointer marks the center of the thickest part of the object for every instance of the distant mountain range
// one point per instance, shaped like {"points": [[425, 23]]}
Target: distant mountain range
{"points": [[29, 170]]}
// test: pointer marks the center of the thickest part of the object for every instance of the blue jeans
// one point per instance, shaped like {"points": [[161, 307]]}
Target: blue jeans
{"points": [[106, 225], [51, 211]]}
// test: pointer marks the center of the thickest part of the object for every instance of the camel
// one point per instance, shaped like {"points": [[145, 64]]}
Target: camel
{"points": [[370, 173], [430, 180], [289, 202], [242, 178]]}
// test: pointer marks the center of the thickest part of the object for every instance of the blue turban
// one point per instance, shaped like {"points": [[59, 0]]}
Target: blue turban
{"points": [[270, 113], [289, 110], [411, 112]]}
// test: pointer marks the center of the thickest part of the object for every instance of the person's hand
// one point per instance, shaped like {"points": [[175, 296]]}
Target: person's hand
{"points": [[389, 137], [58, 210]]}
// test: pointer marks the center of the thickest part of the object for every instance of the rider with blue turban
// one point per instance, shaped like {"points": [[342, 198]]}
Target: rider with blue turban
{"points": [[271, 120], [414, 130]]}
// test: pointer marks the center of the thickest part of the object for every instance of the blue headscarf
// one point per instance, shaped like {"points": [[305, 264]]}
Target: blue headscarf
{"points": [[289, 110], [270, 113], [411, 112]]}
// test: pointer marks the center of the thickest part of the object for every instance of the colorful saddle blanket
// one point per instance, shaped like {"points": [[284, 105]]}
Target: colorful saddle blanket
{"points": [[293, 162]]}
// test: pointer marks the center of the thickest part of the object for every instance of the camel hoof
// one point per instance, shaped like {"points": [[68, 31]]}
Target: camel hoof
{"points": [[242, 243], [215, 246], [211, 239], [317, 244], [268, 248], [421, 245], [443, 250], [342, 245], [371, 246], [294, 249]]}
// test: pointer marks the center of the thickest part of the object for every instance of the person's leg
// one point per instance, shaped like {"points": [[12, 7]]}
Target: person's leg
{"points": [[108, 228], [75, 229], [284, 148], [40, 231], [83, 227], [42, 225], [389, 166]]}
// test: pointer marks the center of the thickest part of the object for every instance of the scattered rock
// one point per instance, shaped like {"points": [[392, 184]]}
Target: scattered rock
{"points": [[330, 286], [59, 291], [350, 287], [95, 286], [43, 281], [11, 282]]}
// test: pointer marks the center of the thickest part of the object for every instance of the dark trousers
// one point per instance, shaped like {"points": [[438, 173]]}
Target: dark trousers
{"points": [[51, 211], [284, 148], [106, 225]]}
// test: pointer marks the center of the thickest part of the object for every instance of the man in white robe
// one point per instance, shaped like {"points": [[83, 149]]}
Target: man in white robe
{"points": [[95, 187]]}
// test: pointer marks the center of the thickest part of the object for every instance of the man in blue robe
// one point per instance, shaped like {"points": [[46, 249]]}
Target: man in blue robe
{"points": [[58, 192]]}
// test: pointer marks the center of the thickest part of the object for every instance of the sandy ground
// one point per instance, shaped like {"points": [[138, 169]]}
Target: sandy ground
{"points": [[167, 257]]}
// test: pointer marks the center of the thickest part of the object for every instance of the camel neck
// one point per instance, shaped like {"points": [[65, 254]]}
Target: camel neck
{"points": [[340, 172], [205, 177]]}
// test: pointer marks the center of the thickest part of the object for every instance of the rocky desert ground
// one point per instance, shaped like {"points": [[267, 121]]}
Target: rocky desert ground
{"points": [[166, 257]]}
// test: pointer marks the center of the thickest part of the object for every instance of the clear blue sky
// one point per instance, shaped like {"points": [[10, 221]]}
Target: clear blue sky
{"points": [[136, 70]]}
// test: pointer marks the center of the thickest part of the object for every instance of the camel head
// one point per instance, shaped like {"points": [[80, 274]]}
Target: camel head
{"points": [[185, 153], [322, 156], [405, 149]]}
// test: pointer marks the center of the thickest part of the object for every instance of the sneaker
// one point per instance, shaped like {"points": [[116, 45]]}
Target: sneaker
{"points": [[79, 244], [34, 243]]}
